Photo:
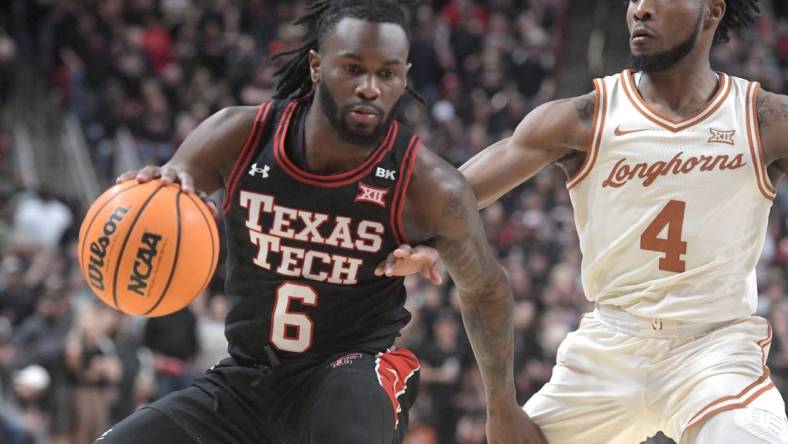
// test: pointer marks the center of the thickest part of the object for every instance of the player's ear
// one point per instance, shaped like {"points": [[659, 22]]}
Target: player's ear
{"points": [[314, 66], [715, 13], [407, 71]]}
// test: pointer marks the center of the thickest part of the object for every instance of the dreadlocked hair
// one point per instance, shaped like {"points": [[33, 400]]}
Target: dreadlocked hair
{"points": [[739, 14], [320, 19]]}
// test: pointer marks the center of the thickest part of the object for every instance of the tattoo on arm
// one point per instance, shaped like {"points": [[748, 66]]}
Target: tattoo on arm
{"points": [[454, 208], [584, 106], [486, 299], [770, 110]]}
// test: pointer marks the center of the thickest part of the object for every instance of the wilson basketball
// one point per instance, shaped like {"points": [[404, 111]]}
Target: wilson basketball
{"points": [[148, 248]]}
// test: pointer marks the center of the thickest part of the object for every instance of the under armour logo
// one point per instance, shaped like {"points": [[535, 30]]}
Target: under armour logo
{"points": [[262, 171], [370, 194], [656, 324], [719, 136], [385, 174]]}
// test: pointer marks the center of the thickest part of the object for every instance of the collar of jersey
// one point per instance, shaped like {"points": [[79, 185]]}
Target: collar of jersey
{"points": [[632, 93], [332, 180]]}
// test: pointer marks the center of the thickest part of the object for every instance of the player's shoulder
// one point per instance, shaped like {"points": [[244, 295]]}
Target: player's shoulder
{"points": [[558, 124], [242, 116], [772, 108], [772, 114], [435, 174], [439, 196], [233, 118]]}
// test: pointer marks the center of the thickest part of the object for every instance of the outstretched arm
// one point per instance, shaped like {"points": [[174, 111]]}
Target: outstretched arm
{"points": [[552, 132]]}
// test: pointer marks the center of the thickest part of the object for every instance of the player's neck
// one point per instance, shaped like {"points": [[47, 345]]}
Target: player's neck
{"points": [[325, 152], [682, 89]]}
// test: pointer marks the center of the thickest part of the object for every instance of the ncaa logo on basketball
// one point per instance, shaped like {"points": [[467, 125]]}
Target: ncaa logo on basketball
{"points": [[98, 248], [143, 265]]}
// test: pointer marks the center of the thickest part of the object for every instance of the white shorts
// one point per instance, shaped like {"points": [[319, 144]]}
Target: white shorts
{"points": [[610, 387]]}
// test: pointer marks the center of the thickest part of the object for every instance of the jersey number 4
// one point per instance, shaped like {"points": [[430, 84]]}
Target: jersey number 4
{"points": [[672, 216], [292, 331]]}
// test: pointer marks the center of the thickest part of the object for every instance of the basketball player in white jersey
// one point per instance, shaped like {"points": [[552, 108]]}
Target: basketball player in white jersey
{"points": [[672, 168]]}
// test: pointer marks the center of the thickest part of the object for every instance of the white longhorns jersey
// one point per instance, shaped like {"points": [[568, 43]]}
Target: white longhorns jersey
{"points": [[672, 215]]}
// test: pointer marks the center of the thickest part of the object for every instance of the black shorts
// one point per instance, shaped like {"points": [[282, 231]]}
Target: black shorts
{"points": [[350, 398]]}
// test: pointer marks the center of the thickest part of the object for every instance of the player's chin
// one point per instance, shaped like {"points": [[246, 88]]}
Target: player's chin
{"points": [[362, 130], [640, 47]]}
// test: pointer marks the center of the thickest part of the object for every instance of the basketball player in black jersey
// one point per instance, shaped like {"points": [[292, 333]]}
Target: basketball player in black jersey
{"points": [[320, 184]]}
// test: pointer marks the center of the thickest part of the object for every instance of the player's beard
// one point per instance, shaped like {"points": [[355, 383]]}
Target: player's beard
{"points": [[338, 120], [660, 61]]}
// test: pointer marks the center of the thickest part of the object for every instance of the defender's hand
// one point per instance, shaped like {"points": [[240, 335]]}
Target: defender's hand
{"points": [[512, 426], [164, 173], [407, 260]]}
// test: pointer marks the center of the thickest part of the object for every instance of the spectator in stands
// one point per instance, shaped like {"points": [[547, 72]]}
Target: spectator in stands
{"points": [[16, 299], [173, 341], [441, 370], [210, 330], [93, 368], [24, 418], [41, 220]]}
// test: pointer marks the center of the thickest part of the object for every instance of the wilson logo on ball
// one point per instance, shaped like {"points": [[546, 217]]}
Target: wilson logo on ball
{"points": [[143, 265], [98, 248], [156, 260]]}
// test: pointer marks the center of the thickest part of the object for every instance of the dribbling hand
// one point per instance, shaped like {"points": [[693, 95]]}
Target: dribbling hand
{"points": [[164, 173], [167, 175], [407, 260]]}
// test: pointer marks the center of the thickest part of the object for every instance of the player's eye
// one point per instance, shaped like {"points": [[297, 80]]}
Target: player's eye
{"points": [[387, 73], [352, 69]]}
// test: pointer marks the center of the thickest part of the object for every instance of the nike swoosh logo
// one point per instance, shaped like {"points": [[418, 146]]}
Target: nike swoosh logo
{"points": [[620, 132]]}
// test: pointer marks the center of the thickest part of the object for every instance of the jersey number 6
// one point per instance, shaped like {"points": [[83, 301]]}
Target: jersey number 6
{"points": [[671, 216], [300, 323]]}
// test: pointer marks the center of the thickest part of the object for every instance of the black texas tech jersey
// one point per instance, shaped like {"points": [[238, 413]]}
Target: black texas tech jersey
{"points": [[302, 247]]}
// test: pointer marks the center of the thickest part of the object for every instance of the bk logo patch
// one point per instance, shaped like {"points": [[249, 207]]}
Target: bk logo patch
{"points": [[371, 194], [720, 136]]}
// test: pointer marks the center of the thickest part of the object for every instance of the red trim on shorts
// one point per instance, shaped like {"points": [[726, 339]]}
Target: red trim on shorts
{"points": [[401, 191], [244, 157], [394, 369]]}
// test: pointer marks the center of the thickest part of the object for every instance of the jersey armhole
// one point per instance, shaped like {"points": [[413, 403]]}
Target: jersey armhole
{"points": [[244, 157], [401, 191], [595, 136], [754, 141]]}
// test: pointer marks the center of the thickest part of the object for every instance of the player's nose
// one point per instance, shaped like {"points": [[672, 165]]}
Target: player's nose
{"points": [[644, 10], [368, 88]]}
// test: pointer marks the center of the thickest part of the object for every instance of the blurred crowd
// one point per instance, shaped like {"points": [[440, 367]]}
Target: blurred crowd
{"points": [[69, 366]]}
